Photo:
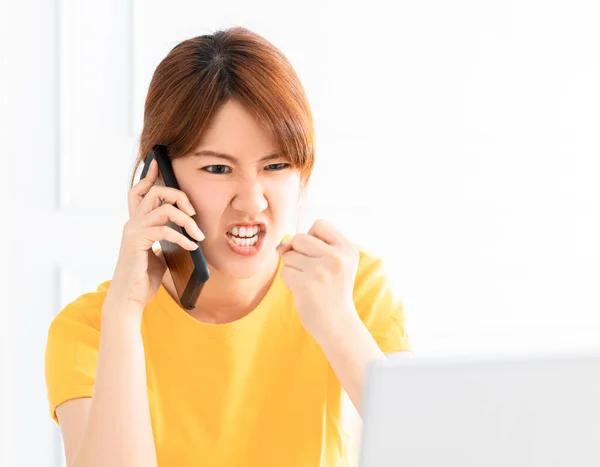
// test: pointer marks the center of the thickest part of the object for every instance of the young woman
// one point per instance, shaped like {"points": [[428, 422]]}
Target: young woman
{"points": [[254, 376]]}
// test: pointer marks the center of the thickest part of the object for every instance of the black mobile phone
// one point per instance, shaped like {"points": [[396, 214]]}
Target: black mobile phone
{"points": [[188, 268]]}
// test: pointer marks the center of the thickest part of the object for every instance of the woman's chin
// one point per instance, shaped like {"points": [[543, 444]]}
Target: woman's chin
{"points": [[245, 268], [242, 271]]}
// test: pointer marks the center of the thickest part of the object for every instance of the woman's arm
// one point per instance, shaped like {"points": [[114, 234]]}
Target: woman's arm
{"points": [[320, 268], [117, 430], [350, 347]]}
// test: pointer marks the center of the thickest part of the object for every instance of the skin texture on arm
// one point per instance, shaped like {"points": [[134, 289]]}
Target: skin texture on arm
{"points": [[73, 415], [320, 269], [113, 427], [349, 351]]}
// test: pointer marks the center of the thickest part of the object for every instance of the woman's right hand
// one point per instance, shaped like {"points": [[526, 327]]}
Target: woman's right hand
{"points": [[139, 271]]}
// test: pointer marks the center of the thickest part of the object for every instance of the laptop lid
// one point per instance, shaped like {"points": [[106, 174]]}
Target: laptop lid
{"points": [[526, 410]]}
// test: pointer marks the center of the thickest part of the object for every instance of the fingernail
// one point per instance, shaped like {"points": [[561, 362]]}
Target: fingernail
{"points": [[191, 209], [199, 233]]}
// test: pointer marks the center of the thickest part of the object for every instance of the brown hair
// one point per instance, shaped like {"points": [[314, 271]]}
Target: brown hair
{"points": [[200, 74]]}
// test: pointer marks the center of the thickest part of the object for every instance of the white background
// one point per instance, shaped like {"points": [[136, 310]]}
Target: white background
{"points": [[458, 140]]}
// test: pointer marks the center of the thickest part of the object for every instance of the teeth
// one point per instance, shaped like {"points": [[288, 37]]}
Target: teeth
{"points": [[246, 232], [244, 241]]}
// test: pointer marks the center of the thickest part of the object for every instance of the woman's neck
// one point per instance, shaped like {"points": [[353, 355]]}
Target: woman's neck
{"points": [[224, 299]]}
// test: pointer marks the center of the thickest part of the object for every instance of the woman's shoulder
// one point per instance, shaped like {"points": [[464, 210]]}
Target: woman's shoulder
{"points": [[369, 263], [373, 283], [85, 310]]}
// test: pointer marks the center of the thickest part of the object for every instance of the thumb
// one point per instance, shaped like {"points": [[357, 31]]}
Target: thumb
{"points": [[283, 247]]}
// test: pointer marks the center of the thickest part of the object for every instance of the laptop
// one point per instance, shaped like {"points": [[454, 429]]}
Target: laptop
{"points": [[522, 410]]}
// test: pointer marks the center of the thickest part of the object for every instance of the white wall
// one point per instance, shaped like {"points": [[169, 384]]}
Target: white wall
{"points": [[5, 361], [471, 131], [459, 140]]}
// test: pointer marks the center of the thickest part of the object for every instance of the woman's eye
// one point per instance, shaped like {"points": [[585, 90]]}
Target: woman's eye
{"points": [[280, 166], [223, 169], [220, 169]]}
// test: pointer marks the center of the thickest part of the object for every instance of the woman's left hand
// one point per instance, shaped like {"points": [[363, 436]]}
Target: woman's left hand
{"points": [[319, 267]]}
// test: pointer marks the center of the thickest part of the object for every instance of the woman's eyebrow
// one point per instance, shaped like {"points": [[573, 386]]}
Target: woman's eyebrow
{"points": [[207, 152]]}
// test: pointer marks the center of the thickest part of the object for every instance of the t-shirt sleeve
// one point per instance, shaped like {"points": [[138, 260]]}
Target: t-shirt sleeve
{"points": [[72, 353], [379, 306]]}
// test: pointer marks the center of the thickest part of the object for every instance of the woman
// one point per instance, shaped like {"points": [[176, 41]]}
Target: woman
{"points": [[255, 374]]}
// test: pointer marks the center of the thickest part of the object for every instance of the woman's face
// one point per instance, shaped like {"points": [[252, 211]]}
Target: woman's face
{"points": [[246, 189]]}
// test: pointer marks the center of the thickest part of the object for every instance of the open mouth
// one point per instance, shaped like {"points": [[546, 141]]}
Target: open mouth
{"points": [[242, 241], [246, 236]]}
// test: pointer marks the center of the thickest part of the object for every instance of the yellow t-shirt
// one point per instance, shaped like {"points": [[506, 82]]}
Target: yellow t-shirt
{"points": [[258, 391]]}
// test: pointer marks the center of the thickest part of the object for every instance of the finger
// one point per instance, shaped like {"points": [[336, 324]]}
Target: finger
{"points": [[159, 194], [168, 212], [298, 261], [139, 190], [290, 275], [283, 247], [310, 245], [328, 233], [164, 232]]}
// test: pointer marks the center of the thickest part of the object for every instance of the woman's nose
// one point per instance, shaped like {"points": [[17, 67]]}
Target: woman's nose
{"points": [[250, 199]]}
